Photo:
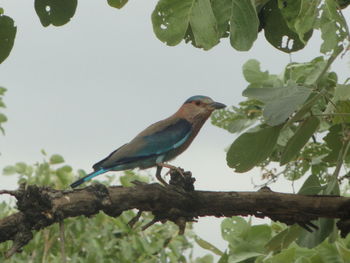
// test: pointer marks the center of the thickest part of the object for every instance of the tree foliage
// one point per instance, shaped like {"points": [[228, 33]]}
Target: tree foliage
{"points": [[88, 240], [287, 24], [3, 118]]}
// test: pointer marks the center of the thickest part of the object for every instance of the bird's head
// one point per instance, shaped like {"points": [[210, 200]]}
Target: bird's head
{"points": [[199, 107]]}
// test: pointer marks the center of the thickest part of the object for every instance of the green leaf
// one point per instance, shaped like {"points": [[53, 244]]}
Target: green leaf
{"points": [[252, 72], [117, 3], [56, 159], [222, 12], [305, 73], [208, 246], [286, 256], [55, 12], [313, 239], [342, 107], [242, 256], [171, 20], [333, 27], [299, 139], [342, 92], [307, 19], [285, 136], [332, 187], [20, 167], [2, 104], [283, 239], [7, 36], [224, 258], [205, 259], [203, 24], [330, 39], [251, 148], [277, 31], [9, 170], [290, 10], [334, 142], [280, 102], [245, 241], [311, 186], [3, 118], [239, 125], [276, 112], [235, 119], [233, 227], [244, 25], [2, 90], [343, 251]]}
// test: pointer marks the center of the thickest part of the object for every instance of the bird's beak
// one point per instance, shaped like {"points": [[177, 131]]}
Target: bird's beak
{"points": [[217, 105]]}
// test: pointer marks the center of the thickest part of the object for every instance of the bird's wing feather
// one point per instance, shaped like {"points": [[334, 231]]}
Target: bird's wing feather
{"points": [[151, 142]]}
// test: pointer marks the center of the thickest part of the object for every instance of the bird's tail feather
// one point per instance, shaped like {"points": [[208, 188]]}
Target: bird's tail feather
{"points": [[87, 177]]}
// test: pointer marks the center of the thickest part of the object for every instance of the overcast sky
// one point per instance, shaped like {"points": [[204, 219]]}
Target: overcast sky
{"points": [[86, 88]]}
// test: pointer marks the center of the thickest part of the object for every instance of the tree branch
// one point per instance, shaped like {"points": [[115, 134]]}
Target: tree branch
{"points": [[40, 207]]}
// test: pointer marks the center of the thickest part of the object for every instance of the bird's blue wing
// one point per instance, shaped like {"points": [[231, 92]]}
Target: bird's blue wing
{"points": [[169, 138], [156, 143]]}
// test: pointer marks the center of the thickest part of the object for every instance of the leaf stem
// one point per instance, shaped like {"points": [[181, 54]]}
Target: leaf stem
{"points": [[63, 253], [332, 114], [331, 59], [313, 100], [342, 154]]}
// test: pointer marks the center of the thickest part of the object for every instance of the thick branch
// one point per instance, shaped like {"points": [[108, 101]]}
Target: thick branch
{"points": [[42, 206]]}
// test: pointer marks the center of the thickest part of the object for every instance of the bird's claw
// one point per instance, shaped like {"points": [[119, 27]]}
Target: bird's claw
{"points": [[178, 177]]}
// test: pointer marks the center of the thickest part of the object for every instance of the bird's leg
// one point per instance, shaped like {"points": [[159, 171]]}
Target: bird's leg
{"points": [[159, 176], [171, 167]]}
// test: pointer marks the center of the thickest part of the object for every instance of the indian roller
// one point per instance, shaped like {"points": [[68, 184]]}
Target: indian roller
{"points": [[160, 142]]}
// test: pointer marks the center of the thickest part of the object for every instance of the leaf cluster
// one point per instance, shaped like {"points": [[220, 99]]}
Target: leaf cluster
{"points": [[103, 238], [287, 24], [3, 118], [276, 243]]}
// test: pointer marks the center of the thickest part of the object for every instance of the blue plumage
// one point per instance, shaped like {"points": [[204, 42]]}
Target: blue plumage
{"points": [[198, 98], [160, 142]]}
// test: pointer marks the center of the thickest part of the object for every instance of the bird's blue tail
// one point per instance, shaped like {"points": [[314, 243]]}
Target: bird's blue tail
{"points": [[88, 177]]}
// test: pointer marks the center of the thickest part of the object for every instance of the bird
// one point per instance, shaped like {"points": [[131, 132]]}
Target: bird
{"points": [[160, 142]]}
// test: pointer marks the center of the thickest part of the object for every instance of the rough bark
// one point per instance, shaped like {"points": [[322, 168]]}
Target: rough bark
{"points": [[40, 207]]}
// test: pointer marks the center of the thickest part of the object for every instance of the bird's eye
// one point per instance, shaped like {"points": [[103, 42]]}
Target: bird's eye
{"points": [[198, 103]]}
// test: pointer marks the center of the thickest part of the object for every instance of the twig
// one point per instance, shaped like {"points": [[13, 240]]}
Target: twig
{"points": [[152, 222], [13, 193], [62, 241], [133, 221], [330, 61], [307, 106], [346, 30], [331, 114], [342, 154]]}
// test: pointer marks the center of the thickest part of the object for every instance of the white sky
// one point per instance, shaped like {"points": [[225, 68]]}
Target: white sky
{"points": [[84, 89]]}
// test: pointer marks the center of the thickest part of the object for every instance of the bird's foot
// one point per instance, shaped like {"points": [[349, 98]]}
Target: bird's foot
{"points": [[171, 168], [159, 175], [178, 177]]}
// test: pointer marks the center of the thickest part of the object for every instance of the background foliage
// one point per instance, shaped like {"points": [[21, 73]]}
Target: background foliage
{"points": [[293, 124], [102, 238]]}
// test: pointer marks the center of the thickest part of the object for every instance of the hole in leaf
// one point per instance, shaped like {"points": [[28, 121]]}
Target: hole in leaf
{"points": [[284, 41]]}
